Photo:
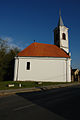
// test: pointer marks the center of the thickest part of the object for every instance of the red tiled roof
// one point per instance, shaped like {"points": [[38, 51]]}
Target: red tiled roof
{"points": [[43, 50]]}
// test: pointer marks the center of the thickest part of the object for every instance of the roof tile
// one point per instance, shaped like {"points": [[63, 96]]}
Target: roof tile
{"points": [[43, 50]]}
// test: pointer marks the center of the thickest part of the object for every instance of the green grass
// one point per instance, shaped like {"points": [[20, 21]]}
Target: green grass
{"points": [[4, 85]]}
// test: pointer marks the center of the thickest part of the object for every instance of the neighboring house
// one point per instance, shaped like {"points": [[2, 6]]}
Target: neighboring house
{"points": [[75, 75], [45, 62]]}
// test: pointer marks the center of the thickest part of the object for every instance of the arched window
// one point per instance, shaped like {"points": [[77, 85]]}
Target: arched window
{"points": [[63, 36]]}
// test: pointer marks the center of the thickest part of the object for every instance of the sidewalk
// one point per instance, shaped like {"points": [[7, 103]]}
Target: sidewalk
{"points": [[13, 91]]}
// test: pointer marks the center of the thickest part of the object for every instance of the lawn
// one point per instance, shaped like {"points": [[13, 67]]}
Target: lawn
{"points": [[28, 84]]}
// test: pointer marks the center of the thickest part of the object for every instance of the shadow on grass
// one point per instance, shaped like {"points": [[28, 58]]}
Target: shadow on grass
{"points": [[62, 101]]}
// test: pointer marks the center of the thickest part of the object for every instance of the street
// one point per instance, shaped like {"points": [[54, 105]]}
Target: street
{"points": [[55, 104]]}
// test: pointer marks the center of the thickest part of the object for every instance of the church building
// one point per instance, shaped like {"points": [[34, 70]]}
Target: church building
{"points": [[45, 62]]}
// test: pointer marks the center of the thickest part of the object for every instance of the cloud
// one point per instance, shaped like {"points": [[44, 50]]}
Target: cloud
{"points": [[11, 43], [9, 39]]}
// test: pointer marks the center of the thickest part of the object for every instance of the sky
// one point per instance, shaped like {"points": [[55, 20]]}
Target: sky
{"points": [[23, 21]]}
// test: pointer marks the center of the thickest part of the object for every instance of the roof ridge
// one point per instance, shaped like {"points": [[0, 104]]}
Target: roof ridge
{"points": [[44, 43]]}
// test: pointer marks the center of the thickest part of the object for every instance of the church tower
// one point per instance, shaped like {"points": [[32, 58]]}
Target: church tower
{"points": [[61, 35]]}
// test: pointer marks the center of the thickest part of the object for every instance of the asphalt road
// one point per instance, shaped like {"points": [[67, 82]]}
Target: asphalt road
{"points": [[56, 104]]}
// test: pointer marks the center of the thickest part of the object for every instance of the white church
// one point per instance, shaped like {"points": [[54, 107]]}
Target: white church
{"points": [[45, 62]]}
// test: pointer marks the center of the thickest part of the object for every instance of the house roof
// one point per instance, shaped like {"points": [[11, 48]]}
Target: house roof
{"points": [[43, 50]]}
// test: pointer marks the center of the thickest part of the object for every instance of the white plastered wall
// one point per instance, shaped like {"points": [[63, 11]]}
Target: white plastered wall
{"points": [[42, 69]]}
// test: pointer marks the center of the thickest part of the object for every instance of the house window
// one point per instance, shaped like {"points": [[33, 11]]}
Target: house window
{"points": [[63, 36], [28, 65]]}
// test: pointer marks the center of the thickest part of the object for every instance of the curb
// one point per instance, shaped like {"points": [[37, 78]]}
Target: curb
{"points": [[14, 91]]}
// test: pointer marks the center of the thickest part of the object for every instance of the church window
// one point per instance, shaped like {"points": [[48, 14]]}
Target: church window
{"points": [[28, 65], [63, 36]]}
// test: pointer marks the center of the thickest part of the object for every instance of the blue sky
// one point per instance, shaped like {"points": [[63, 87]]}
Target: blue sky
{"points": [[23, 21]]}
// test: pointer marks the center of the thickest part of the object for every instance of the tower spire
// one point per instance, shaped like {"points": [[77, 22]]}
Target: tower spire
{"points": [[60, 22], [59, 12], [61, 35]]}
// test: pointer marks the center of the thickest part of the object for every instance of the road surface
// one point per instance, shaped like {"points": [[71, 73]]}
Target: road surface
{"points": [[55, 104]]}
